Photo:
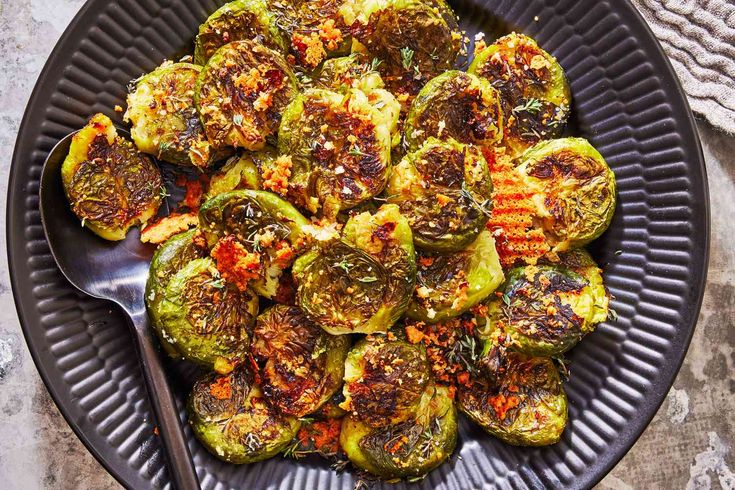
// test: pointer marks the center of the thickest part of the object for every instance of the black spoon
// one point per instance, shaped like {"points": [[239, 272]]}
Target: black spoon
{"points": [[115, 271]]}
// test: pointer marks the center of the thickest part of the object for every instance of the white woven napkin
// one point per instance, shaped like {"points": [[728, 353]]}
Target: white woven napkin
{"points": [[699, 38]]}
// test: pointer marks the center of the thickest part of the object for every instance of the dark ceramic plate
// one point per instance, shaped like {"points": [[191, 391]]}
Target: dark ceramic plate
{"points": [[627, 101]]}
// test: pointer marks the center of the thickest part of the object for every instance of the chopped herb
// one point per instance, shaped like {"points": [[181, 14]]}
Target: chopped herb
{"points": [[344, 265], [237, 119], [356, 152], [612, 315], [406, 57], [532, 106], [368, 279], [163, 192], [375, 64], [506, 299]]}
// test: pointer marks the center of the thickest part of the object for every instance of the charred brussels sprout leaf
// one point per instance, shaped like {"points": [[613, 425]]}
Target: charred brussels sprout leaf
{"points": [[301, 365], [519, 399], [384, 381], [534, 90], [237, 21], [255, 236], [455, 105], [444, 190], [316, 30], [169, 258], [243, 172], [573, 189], [204, 319], [110, 185], [415, 39], [241, 93], [233, 420], [363, 282], [448, 285], [409, 449], [164, 119], [339, 147], [547, 309]]}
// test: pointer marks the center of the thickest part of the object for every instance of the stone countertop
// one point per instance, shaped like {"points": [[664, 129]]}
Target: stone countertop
{"points": [[689, 444]]}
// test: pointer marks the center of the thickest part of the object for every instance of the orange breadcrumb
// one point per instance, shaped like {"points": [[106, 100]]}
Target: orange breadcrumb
{"points": [[330, 34], [221, 389], [162, 229], [276, 179], [311, 48], [501, 404], [235, 263]]}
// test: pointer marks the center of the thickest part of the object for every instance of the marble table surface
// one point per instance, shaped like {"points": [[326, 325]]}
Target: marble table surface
{"points": [[689, 444]]}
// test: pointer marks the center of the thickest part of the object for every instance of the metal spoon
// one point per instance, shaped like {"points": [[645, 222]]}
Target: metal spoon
{"points": [[115, 271]]}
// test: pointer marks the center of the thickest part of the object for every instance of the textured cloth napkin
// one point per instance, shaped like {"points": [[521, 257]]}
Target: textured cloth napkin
{"points": [[699, 38]]}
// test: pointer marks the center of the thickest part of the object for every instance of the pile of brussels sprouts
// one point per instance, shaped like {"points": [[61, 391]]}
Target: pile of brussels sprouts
{"points": [[342, 273]]}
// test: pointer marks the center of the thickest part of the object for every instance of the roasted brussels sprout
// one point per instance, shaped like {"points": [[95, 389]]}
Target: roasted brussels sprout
{"points": [[169, 258], [203, 318], [356, 71], [516, 398], [233, 420], [363, 282], [301, 365], [243, 172], [547, 309], [455, 105], [573, 190], [534, 90], [353, 71], [339, 147], [110, 185], [241, 93], [237, 21], [409, 449], [448, 285], [416, 40], [164, 119], [444, 190], [316, 30], [385, 380], [255, 236]]}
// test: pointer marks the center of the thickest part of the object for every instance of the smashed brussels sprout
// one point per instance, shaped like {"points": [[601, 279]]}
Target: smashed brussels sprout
{"points": [[444, 190], [518, 399], [203, 318], [164, 118], [110, 185], [169, 258], [448, 285], [363, 282], [243, 172], [241, 93], [255, 236], [339, 145], [409, 449], [301, 365], [233, 420], [416, 40], [455, 105], [573, 190], [534, 90], [238, 21], [316, 30], [546, 309], [385, 380]]}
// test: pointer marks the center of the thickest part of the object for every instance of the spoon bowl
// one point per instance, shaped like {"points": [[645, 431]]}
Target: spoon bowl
{"points": [[115, 271]]}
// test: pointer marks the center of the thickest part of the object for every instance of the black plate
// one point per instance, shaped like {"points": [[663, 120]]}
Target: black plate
{"points": [[627, 101]]}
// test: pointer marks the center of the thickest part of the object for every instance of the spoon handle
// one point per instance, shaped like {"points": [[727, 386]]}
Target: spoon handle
{"points": [[180, 466]]}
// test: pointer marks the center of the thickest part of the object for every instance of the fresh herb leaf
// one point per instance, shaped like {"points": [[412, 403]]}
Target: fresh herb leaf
{"points": [[532, 106], [368, 279], [375, 64], [237, 119], [406, 57]]}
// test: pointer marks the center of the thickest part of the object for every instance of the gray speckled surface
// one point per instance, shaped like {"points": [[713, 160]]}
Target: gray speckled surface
{"points": [[688, 445]]}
